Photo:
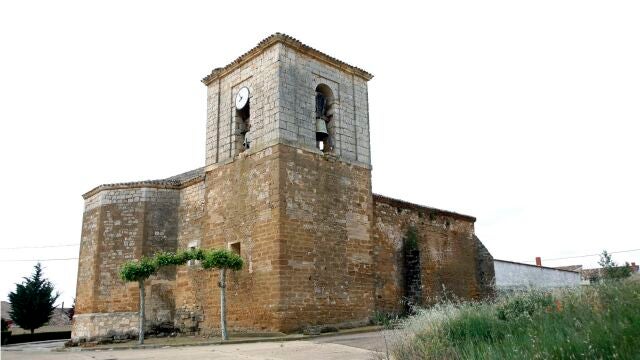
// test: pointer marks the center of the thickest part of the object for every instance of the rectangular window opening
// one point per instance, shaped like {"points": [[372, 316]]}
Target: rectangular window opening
{"points": [[235, 247]]}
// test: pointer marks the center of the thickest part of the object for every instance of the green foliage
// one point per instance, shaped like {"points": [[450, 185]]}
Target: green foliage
{"points": [[593, 322], [32, 301], [386, 319], [144, 268], [193, 254], [138, 270], [524, 305], [611, 270], [222, 259], [411, 239], [473, 323], [168, 258]]}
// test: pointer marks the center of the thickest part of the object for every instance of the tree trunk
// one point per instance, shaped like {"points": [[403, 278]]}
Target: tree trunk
{"points": [[223, 300], [32, 332], [141, 322]]}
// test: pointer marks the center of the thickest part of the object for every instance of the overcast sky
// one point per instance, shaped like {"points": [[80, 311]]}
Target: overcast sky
{"points": [[522, 114]]}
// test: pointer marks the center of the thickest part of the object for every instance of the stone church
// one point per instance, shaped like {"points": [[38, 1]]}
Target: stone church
{"points": [[287, 185]]}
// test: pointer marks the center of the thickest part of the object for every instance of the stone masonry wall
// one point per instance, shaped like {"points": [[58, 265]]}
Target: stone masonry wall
{"points": [[189, 283], [260, 75], [449, 254], [120, 225], [326, 247], [241, 206], [90, 327], [299, 75], [282, 83]]}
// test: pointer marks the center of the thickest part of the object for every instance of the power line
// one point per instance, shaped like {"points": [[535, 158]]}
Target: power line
{"points": [[74, 258], [38, 247], [589, 255]]}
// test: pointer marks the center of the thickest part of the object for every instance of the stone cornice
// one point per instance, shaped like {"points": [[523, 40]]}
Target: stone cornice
{"points": [[151, 184], [293, 43]]}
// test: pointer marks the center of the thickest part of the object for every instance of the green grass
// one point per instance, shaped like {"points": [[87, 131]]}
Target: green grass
{"points": [[594, 322]]}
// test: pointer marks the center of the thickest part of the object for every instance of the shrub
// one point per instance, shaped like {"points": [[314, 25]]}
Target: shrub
{"points": [[473, 323], [517, 306]]}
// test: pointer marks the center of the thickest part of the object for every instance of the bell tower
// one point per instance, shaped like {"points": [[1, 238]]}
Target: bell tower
{"points": [[288, 185], [285, 92]]}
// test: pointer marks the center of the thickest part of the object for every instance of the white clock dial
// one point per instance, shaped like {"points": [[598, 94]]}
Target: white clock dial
{"points": [[242, 98]]}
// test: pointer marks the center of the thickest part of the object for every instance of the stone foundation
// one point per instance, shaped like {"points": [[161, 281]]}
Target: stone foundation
{"points": [[92, 327]]}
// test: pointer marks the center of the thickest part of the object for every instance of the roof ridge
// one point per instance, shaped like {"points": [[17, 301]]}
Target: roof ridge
{"points": [[289, 40]]}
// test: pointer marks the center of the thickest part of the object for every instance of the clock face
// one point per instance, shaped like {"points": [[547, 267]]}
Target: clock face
{"points": [[242, 98]]}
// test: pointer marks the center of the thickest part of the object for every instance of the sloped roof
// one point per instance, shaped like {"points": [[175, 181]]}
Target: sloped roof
{"points": [[174, 182], [570, 267], [292, 42]]}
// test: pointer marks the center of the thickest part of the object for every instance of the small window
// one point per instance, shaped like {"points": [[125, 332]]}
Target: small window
{"points": [[235, 247]]}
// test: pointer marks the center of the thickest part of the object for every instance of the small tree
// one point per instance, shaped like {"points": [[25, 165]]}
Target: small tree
{"points": [[32, 302], [139, 271], [611, 270], [222, 260]]}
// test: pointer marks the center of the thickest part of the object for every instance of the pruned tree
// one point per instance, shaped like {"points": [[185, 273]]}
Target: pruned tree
{"points": [[139, 271], [32, 302], [222, 260]]}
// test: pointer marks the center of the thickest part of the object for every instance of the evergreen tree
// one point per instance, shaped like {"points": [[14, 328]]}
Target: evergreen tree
{"points": [[32, 302]]}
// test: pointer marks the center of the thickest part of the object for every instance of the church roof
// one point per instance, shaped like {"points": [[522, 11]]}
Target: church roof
{"points": [[291, 42], [174, 182]]}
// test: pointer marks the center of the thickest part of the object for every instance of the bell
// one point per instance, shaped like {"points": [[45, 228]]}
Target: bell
{"points": [[321, 129]]}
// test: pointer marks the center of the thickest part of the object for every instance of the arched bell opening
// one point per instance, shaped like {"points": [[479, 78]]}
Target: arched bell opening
{"points": [[325, 126]]}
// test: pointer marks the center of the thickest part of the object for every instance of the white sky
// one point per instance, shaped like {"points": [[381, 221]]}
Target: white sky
{"points": [[523, 114]]}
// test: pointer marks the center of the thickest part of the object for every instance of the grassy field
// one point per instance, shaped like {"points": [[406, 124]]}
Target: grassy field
{"points": [[592, 322]]}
